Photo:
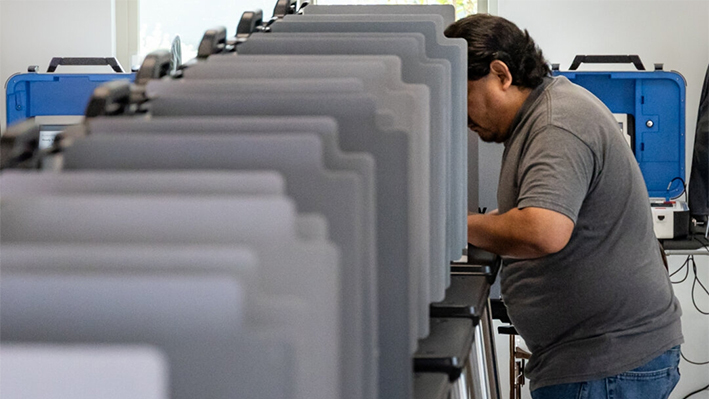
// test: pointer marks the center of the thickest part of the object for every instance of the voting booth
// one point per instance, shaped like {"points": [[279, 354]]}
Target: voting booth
{"points": [[306, 178]]}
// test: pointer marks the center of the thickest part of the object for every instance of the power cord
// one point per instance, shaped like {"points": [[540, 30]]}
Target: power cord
{"points": [[691, 362], [690, 261], [696, 392], [697, 281], [694, 284], [684, 188], [685, 264]]}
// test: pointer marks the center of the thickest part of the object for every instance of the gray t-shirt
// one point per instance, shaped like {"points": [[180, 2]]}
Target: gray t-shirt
{"points": [[604, 304]]}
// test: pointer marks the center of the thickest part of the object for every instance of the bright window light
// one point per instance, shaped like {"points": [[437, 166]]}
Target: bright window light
{"points": [[162, 20]]}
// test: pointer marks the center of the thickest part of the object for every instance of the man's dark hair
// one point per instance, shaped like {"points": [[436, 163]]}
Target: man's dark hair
{"points": [[495, 38]]}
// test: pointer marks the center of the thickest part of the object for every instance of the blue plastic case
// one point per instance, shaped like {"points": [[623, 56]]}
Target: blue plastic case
{"points": [[656, 100], [36, 94]]}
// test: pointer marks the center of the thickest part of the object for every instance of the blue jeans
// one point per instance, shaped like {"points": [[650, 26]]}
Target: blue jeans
{"points": [[653, 380]]}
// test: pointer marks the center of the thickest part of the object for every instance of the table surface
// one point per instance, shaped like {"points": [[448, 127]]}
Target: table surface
{"points": [[466, 297], [431, 386], [694, 244]]}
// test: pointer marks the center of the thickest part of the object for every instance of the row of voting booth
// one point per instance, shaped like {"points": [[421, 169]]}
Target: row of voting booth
{"points": [[274, 220]]}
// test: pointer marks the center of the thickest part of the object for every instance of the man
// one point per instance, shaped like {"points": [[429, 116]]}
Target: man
{"points": [[583, 280]]}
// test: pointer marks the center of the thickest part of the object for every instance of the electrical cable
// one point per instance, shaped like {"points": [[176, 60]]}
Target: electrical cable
{"points": [[695, 280], [696, 392], [684, 188], [691, 362], [686, 263], [694, 284]]}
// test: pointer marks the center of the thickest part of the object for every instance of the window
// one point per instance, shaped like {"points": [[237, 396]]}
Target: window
{"points": [[161, 21]]}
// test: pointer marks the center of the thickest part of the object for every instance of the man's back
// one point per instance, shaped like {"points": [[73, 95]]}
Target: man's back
{"points": [[604, 303]]}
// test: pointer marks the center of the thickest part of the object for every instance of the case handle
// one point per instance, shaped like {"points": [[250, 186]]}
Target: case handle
{"points": [[607, 59], [85, 61]]}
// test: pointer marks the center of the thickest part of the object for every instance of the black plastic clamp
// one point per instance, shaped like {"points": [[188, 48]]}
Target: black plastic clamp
{"points": [[213, 42], [250, 21], [155, 66], [110, 98]]}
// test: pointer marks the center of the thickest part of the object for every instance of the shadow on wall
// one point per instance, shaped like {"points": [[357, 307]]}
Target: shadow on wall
{"points": [[489, 161]]}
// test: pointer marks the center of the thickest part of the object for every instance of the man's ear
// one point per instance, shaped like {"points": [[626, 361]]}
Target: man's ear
{"points": [[500, 70]]}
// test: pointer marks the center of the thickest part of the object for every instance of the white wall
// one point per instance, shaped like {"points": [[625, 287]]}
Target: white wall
{"points": [[673, 32], [2, 80], [34, 31]]}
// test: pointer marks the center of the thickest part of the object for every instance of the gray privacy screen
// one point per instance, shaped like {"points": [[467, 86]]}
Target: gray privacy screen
{"points": [[405, 103], [446, 11], [258, 268], [437, 47], [326, 128], [399, 106], [312, 275], [416, 68], [299, 157], [191, 318], [110, 308], [355, 115]]}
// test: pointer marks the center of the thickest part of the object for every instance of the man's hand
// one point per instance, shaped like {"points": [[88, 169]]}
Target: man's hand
{"points": [[521, 233]]}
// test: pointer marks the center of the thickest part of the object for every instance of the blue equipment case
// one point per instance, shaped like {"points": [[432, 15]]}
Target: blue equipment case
{"points": [[38, 94], [656, 101]]}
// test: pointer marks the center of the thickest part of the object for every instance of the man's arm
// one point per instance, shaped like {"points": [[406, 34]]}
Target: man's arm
{"points": [[521, 233]]}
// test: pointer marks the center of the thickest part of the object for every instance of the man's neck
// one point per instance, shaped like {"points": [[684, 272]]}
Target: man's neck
{"points": [[517, 97]]}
